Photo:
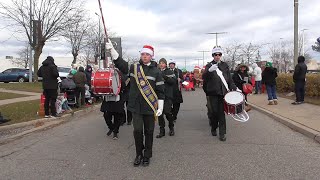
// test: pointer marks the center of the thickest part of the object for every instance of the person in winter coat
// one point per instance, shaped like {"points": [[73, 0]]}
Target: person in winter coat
{"points": [[49, 73], [240, 77], [299, 79], [215, 90], [178, 99], [88, 72], [269, 76], [146, 100], [169, 81], [80, 80], [257, 74], [115, 109]]}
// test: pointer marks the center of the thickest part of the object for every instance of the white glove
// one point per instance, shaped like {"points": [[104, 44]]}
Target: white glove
{"points": [[185, 83], [239, 90], [109, 47], [160, 107], [214, 67]]}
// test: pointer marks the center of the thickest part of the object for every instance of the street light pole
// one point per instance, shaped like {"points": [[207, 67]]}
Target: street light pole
{"points": [[99, 46], [296, 31], [303, 40], [280, 55], [203, 56], [31, 38], [216, 33]]}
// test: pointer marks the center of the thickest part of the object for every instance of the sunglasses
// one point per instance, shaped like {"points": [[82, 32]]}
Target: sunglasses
{"points": [[217, 54]]}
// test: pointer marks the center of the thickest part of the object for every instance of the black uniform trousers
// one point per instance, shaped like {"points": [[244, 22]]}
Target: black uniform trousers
{"points": [[50, 101], [300, 90], [143, 126], [218, 118], [167, 113], [117, 118], [175, 110], [80, 94]]}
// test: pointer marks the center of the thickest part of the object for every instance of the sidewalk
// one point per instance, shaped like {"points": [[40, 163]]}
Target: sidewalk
{"points": [[303, 118], [32, 96]]}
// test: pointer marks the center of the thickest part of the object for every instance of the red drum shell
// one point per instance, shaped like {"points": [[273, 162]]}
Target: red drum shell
{"points": [[234, 107], [106, 82]]}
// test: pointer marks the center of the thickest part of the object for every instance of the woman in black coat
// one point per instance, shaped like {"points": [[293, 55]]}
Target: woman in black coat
{"points": [[241, 77]]}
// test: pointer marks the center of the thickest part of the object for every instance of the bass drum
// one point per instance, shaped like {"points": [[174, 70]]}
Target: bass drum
{"points": [[106, 82]]}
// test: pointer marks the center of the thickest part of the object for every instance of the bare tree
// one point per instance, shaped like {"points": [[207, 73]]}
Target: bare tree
{"points": [[233, 54], [316, 47], [249, 51], [54, 16], [23, 59], [77, 34]]}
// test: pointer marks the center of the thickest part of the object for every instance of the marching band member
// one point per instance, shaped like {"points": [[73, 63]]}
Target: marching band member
{"points": [[115, 109], [215, 90], [146, 101], [176, 90], [169, 81]]}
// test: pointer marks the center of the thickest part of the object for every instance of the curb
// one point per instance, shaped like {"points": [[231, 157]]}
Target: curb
{"points": [[311, 133], [47, 123]]}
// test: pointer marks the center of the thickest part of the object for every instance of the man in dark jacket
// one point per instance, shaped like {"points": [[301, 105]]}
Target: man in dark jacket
{"points": [[241, 77], [88, 72], [216, 90], [115, 109], [299, 79], [49, 73], [146, 100], [177, 100], [80, 79], [269, 76], [169, 81]]}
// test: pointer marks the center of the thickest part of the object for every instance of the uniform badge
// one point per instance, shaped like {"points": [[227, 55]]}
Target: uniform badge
{"points": [[142, 83]]}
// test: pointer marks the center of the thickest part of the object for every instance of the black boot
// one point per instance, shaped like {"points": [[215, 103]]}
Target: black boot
{"points": [[138, 160], [222, 138], [213, 132], [171, 133], [109, 132], [162, 133], [146, 161]]}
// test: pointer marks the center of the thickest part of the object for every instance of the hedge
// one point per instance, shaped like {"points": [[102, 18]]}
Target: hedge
{"points": [[285, 84]]}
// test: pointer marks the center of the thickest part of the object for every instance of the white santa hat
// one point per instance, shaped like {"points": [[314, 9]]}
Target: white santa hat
{"points": [[217, 49], [148, 49]]}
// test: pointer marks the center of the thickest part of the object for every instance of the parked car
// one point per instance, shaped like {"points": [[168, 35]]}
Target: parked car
{"points": [[63, 73], [14, 75]]}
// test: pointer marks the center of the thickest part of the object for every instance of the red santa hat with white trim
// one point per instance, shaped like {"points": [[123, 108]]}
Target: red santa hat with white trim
{"points": [[148, 49]]}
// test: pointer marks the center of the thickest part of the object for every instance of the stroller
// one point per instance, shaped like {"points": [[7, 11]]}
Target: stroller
{"points": [[68, 87]]}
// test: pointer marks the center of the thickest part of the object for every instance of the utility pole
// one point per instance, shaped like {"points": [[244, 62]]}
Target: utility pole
{"points": [[296, 31], [198, 61], [303, 41], [99, 46], [31, 44], [279, 67], [203, 56], [185, 63], [216, 33]]}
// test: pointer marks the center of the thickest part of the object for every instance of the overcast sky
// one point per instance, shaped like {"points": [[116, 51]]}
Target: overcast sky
{"points": [[177, 28]]}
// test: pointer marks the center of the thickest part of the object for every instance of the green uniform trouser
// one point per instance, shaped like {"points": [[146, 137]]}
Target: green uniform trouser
{"points": [[143, 124]]}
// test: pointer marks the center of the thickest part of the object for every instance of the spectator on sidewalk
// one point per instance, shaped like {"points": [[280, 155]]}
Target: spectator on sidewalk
{"points": [[49, 73], [240, 77], [299, 79], [88, 72], [269, 76], [257, 74], [80, 79]]}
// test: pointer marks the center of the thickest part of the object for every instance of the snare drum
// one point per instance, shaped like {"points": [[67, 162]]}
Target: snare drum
{"points": [[106, 82], [234, 105]]}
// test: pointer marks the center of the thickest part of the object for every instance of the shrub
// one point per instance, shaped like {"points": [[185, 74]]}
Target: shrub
{"points": [[285, 84]]}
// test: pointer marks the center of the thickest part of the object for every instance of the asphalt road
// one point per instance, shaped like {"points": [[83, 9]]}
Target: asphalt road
{"points": [[259, 149]]}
